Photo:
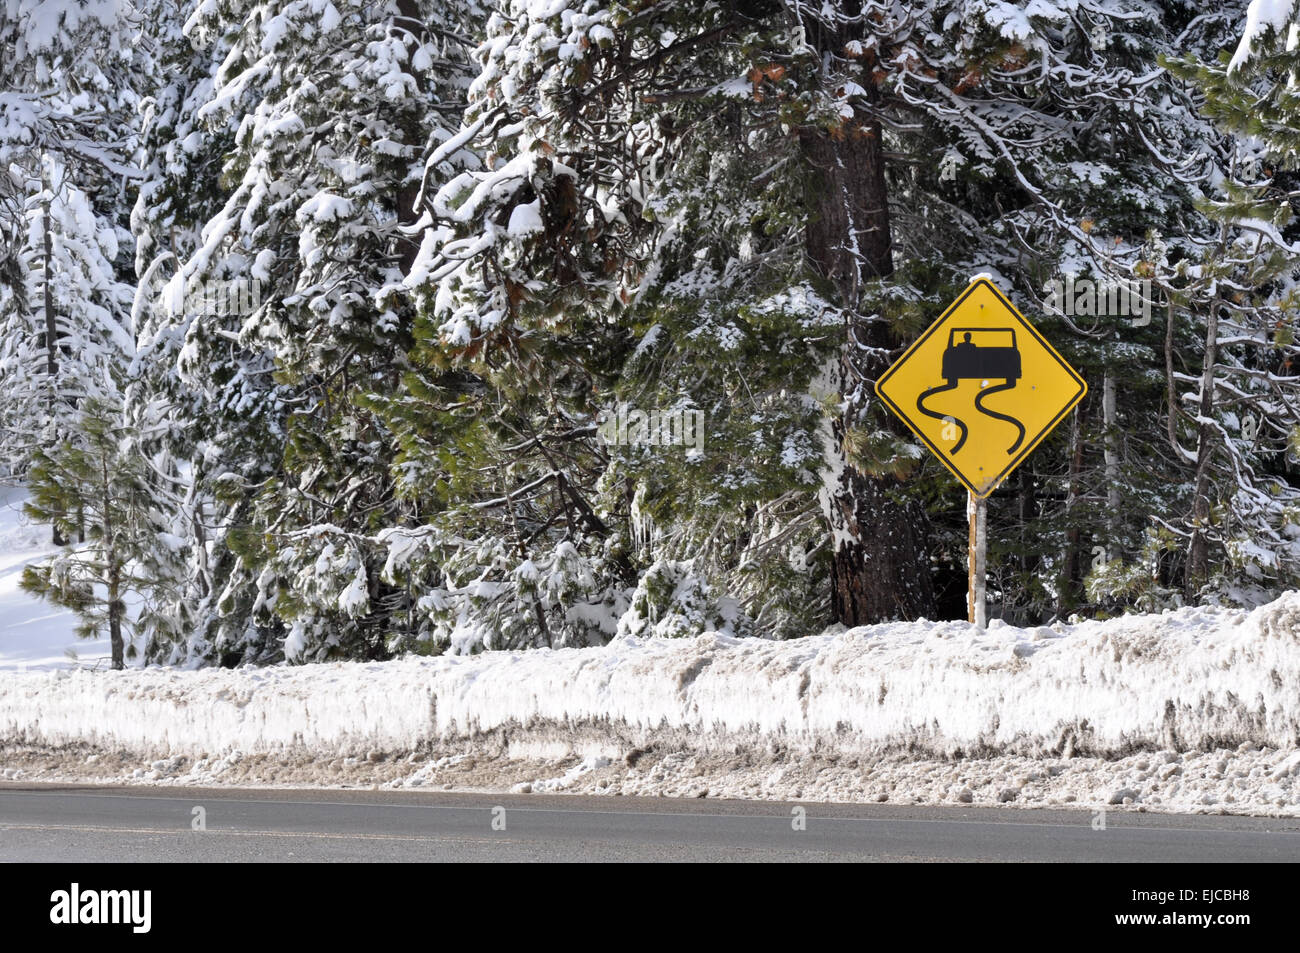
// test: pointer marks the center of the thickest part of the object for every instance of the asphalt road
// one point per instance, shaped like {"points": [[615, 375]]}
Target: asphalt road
{"points": [[121, 824]]}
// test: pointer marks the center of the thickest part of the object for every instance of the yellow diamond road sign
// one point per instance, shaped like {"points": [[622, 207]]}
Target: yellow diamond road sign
{"points": [[981, 387]]}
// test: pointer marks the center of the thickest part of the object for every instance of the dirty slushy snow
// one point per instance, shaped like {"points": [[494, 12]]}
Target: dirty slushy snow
{"points": [[1196, 709]]}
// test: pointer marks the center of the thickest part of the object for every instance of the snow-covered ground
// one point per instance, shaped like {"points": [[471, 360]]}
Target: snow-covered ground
{"points": [[34, 634], [1193, 710]]}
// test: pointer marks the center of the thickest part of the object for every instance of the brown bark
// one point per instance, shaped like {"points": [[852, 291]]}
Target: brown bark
{"points": [[879, 568], [115, 609]]}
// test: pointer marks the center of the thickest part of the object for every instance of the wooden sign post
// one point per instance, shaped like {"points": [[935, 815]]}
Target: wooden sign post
{"points": [[977, 510]]}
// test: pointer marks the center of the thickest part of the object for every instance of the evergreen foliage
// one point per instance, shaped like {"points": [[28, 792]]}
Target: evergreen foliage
{"points": [[342, 330]]}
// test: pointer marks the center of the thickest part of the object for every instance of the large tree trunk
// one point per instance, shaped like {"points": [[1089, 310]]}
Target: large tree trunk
{"points": [[116, 610], [879, 568]]}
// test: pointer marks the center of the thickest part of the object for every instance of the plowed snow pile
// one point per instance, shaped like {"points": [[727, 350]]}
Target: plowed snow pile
{"points": [[1193, 709]]}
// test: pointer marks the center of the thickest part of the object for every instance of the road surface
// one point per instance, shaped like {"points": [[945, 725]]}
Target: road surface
{"points": [[122, 824]]}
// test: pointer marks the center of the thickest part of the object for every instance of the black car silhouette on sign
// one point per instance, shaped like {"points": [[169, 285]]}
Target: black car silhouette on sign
{"points": [[966, 360]]}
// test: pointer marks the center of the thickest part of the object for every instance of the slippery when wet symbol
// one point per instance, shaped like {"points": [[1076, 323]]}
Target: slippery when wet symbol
{"points": [[981, 387], [968, 360]]}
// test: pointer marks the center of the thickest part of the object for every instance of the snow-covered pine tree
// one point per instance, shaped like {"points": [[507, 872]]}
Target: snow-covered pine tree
{"points": [[1058, 148], [70, 76], [205, 407], [587, 114], [1030, 144], [1239, 407], [740, 212], [319, 114], [95, 484], [65, 324], [1053, 143], [69, 79]]}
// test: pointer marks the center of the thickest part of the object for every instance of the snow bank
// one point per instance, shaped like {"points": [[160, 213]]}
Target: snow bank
{"points": [[1193, 679], [322, 708]]}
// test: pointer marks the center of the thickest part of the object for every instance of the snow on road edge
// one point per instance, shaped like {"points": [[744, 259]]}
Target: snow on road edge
{"points": [[1194, 680]]}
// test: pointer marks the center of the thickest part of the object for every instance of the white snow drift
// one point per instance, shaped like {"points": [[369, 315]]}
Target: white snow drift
{"points": [[1190, 679]]}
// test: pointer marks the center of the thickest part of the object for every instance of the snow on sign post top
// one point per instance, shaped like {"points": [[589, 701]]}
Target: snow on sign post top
{"points": [[981, 388]]}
